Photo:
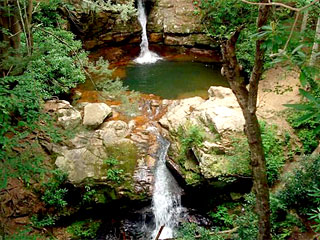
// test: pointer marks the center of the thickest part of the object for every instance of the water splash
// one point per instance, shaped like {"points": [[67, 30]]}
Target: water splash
{"points": [[146, 56], [166, 199]]}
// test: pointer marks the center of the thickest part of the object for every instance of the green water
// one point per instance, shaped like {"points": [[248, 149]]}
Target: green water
{"points": [[173, 80]]}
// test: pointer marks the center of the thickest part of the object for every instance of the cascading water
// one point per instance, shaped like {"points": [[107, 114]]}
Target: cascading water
{"points": [[146, 56], [166, 200]]}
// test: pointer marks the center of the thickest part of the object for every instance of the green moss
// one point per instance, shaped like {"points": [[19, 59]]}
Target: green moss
{"points": [[193, 178], [126, 154]]}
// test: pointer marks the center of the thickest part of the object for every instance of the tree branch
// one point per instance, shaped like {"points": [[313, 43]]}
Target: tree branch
{"points": [[281, 5]]}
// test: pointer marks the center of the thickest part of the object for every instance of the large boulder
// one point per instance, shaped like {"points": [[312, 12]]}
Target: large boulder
{"points": [[221, 112], [216, 122], [95, 114]]}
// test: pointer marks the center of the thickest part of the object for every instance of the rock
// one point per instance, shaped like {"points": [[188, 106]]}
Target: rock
{"points": [[155, 38], [113, 131], [219, 118], [172, 22], [179, 112], [81, 164], [221, 112], [95, 113], [68, 116], [189, 40]]}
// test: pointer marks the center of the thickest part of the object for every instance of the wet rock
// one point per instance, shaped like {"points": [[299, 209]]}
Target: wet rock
{"points": [[95, 113]]}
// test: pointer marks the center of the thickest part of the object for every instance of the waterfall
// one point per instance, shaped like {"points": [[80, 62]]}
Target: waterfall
{"points": [[146, 56], [166, 200]]}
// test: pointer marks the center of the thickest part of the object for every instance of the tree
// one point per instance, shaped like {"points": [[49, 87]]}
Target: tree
{"points": [[247, 95], [247, 99]]}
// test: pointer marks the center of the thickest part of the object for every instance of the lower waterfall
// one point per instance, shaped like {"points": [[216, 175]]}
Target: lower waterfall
{"points": [[166, 200]]}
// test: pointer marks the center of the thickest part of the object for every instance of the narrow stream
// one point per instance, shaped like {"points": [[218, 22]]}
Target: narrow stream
{"points": [[166, 200]]}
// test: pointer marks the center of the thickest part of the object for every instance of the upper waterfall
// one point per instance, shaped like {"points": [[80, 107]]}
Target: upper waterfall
{"points": [[146, 56]]}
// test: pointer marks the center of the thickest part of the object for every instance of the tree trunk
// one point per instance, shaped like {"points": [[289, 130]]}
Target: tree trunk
{"points": [[315, 48], [304, 21], [247, 100]]}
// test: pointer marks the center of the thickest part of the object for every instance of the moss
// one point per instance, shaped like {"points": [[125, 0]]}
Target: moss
{"points": [[127, 155], [193, 178]]}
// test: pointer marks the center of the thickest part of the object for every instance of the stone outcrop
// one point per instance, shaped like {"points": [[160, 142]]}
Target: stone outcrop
{"points": [[221, 111], [218, 121], [170, 22], [177, 21], [89, 156]]}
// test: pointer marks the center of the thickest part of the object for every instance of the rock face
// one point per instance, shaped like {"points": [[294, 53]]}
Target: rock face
{"points": [[221, 110], [177, 21], [203, 133], [95, 113], [113, 153], [170, 22]]}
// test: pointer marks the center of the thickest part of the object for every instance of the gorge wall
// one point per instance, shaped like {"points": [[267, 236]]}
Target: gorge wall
{"points": [[170, 22]]}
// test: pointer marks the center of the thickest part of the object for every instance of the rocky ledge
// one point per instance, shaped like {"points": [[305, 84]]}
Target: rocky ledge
{"points": [[104, 151], [204, 135], [170, 22]]}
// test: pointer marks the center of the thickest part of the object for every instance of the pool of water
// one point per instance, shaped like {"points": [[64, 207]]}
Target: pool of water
{"points": [[174, 80]]}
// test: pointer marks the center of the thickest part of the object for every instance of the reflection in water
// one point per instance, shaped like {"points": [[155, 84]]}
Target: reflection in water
{"points": [[174, 80]]}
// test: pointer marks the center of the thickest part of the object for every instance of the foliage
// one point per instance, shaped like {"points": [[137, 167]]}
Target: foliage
{"points": [[43, 221], [53, 68], [126, 10], [113, 88], [274, 152], [283, 221], [191, 136], [239, 156], [24, 234], [54, 195], [221, 217], [248, 220], [222, 18], [315, 216], [190, 231], [304, 179], [114, 174], [315, 213], [305, 120], [274, 149], [86, 229]]}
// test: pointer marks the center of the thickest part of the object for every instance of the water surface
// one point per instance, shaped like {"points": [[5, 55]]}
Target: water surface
{"points": [[173, 80]]}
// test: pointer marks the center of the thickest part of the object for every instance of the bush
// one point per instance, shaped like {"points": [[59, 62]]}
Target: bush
{"points": [[274, 152], [299, 184], [86, 229]]}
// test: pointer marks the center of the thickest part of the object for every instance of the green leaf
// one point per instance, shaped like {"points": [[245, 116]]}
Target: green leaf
{"points": [[305, 117], [308, 96], [300, 107]]}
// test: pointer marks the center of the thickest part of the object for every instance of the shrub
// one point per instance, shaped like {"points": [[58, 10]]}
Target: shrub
{"points": [[299, 184], [86, 229], [274, 152], [54, 194]]}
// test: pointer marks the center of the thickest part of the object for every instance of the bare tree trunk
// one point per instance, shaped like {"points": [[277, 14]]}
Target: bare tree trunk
{"points": [[315, 48], [248, 100], [304, 21]]}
